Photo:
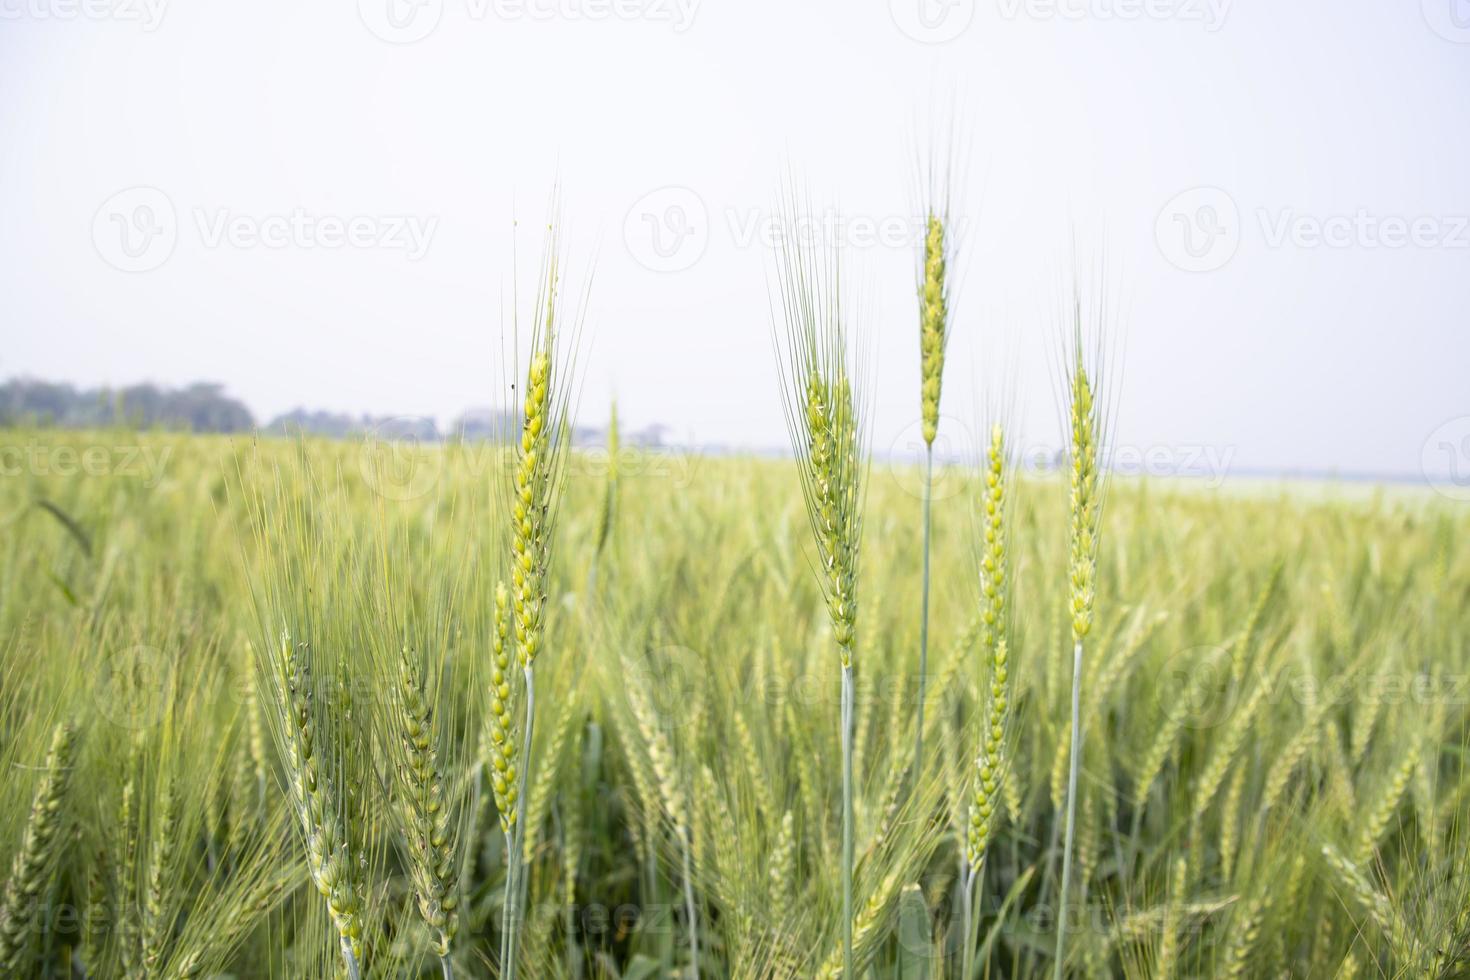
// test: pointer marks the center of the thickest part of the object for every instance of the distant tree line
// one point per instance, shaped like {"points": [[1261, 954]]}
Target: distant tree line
{"points": [[204, 407], [199, 407]]}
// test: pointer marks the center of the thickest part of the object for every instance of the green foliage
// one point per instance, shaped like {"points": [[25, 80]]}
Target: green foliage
{"points": [[693, 699]]}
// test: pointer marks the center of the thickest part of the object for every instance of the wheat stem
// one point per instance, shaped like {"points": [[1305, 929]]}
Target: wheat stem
{"points": [[967, 961], [350, 959], [924, 617], [518, 859], [1076, 753], [846, 721], [689, 902]]}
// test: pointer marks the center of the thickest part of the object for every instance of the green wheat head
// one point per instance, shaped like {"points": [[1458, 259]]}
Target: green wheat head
{"points": [[825, 422], [530, 540], [1084, 499], [504, 730], [425, 815], [332, 861], [933, 322], [34, 865], [990, 761]]}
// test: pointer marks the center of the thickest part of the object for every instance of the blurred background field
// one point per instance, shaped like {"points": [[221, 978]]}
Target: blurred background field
{"points": [[1275, 706]]}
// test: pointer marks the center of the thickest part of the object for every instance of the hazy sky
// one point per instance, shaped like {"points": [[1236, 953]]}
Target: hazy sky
{"points": [[312, 203]]}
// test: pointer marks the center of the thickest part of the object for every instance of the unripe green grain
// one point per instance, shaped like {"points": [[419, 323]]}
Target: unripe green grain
{"points": [[1082, 567], [331, 858], [933, 323], [34, 864], [500, 745], [424, 816], [991, 762]]}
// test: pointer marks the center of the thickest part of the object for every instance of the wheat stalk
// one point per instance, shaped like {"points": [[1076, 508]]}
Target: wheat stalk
{"points": [[607, 515], [1376, 818], [156, 922], [933, 336], [672, 796], [990, 762], [540, 464], [424, 813], [34, 865], [1247, 928], [1292, 754], [332, 859], [827, 432], [1085, 508]]}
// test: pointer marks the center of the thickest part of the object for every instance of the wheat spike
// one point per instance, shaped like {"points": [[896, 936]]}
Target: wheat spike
{"points": [[33, 867]]}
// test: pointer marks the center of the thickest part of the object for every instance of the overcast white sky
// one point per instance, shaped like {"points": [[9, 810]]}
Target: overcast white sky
{"points": [[1280, 190]]}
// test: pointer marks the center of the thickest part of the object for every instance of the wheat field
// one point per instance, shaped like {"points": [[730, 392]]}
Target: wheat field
{"points": [[252, 695]]}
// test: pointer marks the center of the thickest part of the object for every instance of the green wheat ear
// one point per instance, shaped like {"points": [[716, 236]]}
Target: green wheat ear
{"points": [[1082, 565], [826, 430], [990, 762], [832, 450], [933, 321], [530, 538], [331, 860], [34, 865], [501, 748], [424, 811], [1085, 507]]}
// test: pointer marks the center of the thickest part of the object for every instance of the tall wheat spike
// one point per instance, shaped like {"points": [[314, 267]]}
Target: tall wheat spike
{"points": [[34, 864], [1085, 500], [332, 858], [538, 475], [424, 810], [826, 423], [990, 761], [933, 338]]}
